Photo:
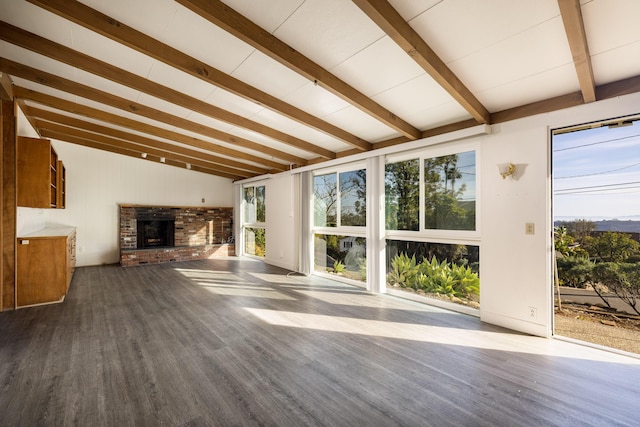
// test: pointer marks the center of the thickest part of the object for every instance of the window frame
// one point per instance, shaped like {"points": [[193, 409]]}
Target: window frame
{"points": [[438, 235], [253, 224], [339, 229]]}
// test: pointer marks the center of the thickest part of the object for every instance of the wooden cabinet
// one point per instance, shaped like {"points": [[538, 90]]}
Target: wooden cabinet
{"points": [[46, 261], [61, 187], [41, 176]]}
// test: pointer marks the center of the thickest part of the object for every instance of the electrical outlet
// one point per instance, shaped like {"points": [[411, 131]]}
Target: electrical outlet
{"points": [[530, 228], [533, 313]]}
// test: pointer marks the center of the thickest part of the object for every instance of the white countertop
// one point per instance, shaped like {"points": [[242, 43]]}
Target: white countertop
{"points": [[49, 232]]}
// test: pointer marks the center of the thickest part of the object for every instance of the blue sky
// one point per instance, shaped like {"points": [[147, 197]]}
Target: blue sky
{"points": [[596, 173]]}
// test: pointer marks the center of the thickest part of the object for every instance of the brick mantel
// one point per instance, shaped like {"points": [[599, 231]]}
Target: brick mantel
{"points": [[200, 232]]}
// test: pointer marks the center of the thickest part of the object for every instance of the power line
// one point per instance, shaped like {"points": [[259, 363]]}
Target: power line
{"points": [[597, 173], [596, 143]]}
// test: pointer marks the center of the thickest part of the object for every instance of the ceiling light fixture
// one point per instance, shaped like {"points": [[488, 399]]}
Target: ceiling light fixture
{"points": [[162, 159], [188, 165], [144, 155]]}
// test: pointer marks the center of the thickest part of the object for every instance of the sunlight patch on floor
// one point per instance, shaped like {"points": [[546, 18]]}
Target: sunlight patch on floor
{"points": [[247, 291], [212, 276], [363, 300], [499, 341]]}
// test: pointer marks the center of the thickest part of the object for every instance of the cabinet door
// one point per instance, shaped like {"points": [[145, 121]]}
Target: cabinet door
{"points": [[37, 173], [61, 187], [42, 270]]}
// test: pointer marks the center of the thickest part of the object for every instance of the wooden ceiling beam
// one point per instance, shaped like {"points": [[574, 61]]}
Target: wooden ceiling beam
{"points": [[148, 143], [6, 87], [68, 86], [618, 88], [53, 50], [571, 13], [130, 153], [114, 119], [390, 21], [234, 23], [68, 134], [121, 33]]}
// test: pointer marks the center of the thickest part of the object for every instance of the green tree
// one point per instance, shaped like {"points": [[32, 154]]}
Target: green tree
{"points": [[402, 195], [623, 279], [611, 247], [563, 241], [443, 209], [579, 229]]}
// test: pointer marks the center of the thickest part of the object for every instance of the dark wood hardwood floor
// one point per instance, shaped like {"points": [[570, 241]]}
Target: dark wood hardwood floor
{"points": [[237, 342]]}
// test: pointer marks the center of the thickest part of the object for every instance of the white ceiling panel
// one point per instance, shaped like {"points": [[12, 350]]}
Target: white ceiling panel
{"points": [[528, 53], [268, 18], [548, 84], [208, 121], [182, 82], [36, 20], [152, 17], [380, 66], [328, 31], [35, 60], [197, 37], [418, 94], [457, 28], [440, 115], [269, 76], [293, 128], [234, 103], [627, 59], [361, 124], [316, 100], [163, 105], [110, 52], [611, 24], [261, 139], [411, 9]]}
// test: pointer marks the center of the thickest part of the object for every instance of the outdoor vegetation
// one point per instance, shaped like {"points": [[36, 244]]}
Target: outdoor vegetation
{"points": [[434, 277], [341, 255], [606, 262]]}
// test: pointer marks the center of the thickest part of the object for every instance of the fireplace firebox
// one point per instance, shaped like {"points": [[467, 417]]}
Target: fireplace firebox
{"points": [[157, 233]]}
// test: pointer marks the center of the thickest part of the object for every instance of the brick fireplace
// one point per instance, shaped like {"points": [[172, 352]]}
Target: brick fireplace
{"points": [[156, 234]]}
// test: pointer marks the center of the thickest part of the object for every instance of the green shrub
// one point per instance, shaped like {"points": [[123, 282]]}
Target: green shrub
{"points": [[434, 277], [403, 271], [338, 267], [575, 271]]}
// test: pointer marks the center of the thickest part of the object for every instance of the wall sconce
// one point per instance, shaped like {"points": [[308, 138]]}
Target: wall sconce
{"points": [[188, 165], [144, 155], [162, 159], [507, 169]]}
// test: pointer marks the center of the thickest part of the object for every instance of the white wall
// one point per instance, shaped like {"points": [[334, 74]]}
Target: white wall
{"points": [[280, 220], [516, 269], [98, 181]]}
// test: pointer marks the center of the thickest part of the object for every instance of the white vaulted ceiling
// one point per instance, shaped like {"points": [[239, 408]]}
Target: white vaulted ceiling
{"points": [[283, 83]]}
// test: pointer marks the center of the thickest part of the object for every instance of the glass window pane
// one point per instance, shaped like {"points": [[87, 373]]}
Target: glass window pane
{"points": [[435, 270], [402, 195], [345, 256], [353, 198], [249, 205], [325, 196], [254, 241], [450, 192], [260, 204]]}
